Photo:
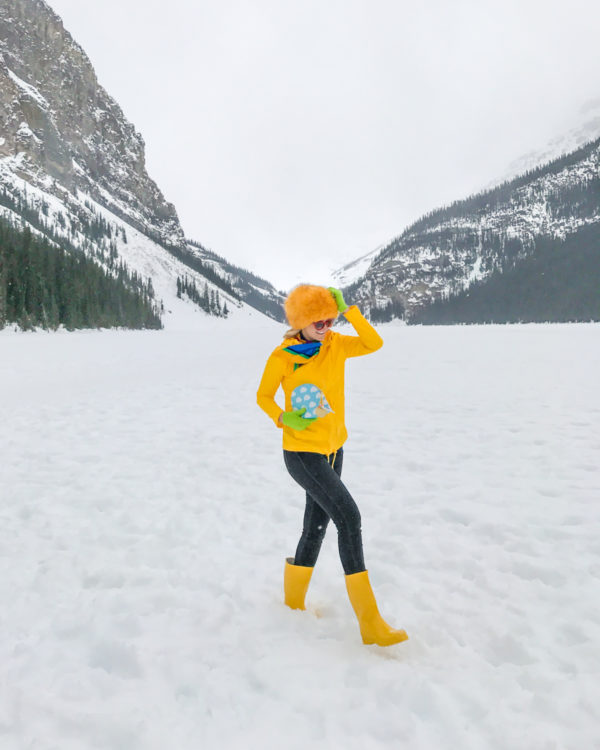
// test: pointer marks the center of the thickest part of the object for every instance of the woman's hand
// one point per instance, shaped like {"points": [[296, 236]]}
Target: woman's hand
{"points": [[295, 420], [339, 299]]}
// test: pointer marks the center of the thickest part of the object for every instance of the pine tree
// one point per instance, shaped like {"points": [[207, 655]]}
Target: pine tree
{"points": [[44, 285]]}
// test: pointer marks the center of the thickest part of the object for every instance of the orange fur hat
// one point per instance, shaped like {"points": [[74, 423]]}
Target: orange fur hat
{"points": [[306, 304]]}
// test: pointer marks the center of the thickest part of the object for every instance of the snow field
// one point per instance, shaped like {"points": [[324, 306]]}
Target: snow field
{"points": [[145, 514]]}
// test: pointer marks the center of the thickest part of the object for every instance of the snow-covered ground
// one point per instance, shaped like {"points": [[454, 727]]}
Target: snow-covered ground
{"points": [[145, 515]]}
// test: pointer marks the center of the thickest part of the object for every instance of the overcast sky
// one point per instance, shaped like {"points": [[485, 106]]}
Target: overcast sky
{"points": [[295, 136]]}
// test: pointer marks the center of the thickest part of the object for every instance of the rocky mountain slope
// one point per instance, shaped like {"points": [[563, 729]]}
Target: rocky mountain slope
{"points": [[586, 131], [446, 251], [70, 162], [60, 125], [252, 289]]}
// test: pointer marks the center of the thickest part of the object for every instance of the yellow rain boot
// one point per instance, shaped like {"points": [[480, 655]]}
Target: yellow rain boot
{"points": [[373, 627], [295, 583]]}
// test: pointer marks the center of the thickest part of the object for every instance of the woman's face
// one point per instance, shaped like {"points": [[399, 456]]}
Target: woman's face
{"points": [[318, 330]]}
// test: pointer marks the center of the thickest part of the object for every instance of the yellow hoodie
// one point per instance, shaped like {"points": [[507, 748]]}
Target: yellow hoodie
{"points": [[325, 370]]}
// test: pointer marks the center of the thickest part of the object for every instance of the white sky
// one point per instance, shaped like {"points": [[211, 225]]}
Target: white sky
{"points": [[295, 136]]}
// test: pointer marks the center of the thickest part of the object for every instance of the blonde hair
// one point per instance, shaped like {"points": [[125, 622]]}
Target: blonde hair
{"points": [[291, 333]]}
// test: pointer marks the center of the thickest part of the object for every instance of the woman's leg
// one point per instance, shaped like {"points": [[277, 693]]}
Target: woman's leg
{"points": [[313, 533], [327, 497], [315, 522]]}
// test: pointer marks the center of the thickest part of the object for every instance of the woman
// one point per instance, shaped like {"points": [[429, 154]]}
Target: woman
{"points": [[309, 365]]}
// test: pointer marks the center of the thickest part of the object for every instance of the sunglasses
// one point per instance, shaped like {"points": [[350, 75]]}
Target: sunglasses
{"points": [[320, 324]]}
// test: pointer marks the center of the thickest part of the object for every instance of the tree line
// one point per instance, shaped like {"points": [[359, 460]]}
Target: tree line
{"points": [[43, 284], [209, 301], [559, 282]]}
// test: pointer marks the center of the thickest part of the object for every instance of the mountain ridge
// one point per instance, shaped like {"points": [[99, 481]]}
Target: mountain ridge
{"points": [[67, 148], [577, 137], [63, 125], [445, 251], [68, 153]]}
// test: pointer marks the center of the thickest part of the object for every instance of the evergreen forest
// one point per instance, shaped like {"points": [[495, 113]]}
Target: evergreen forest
{"points": [[44, 285], [210, 302], [558, 283]]}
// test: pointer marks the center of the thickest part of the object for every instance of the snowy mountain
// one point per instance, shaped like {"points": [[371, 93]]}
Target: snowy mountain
{"points": [[352, 271], [252, 289], [446, 251], [60, 125], [586, 131], [73, 168]]}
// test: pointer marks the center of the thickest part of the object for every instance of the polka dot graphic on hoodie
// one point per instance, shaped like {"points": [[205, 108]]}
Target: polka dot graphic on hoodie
{"points": [[310, 397]]}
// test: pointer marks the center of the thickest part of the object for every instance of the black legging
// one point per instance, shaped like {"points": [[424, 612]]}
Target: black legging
{"points": [[326, 497]]}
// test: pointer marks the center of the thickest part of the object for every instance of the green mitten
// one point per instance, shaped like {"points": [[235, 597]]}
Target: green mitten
{"points": [[295, 420], [339, 299]]}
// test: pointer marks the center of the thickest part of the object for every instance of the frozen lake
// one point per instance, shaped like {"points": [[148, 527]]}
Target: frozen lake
{"points": [[146, 514]]}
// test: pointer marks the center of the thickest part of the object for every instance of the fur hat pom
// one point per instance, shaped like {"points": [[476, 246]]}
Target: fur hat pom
{"points": [[307, 303]]}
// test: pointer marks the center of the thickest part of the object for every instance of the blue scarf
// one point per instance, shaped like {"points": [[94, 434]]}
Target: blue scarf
{"points": [[306, 350]]}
